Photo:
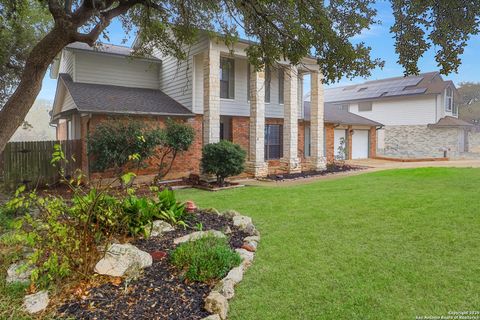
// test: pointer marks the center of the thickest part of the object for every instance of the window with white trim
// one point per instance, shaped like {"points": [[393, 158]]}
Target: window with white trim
{"points": [[449, 99], [227, 78], [365, 106]]}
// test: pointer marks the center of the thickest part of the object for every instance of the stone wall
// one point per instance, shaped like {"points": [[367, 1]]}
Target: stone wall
{"points": [[420, 141], [474, 141]]}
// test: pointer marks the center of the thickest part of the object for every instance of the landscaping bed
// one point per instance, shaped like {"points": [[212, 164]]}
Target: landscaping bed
{"points": [[160, 292], [331, 169]]}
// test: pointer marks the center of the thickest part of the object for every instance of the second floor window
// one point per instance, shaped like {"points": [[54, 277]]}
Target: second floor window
{"points": [[449, 99], [281, 94], [365, 106], [227, 78]]}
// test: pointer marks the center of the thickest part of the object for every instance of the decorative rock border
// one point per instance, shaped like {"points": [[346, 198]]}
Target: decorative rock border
{"points": [[217, 301]]}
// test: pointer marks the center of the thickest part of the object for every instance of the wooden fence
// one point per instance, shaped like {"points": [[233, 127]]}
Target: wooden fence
{"points": [[28, 162]]}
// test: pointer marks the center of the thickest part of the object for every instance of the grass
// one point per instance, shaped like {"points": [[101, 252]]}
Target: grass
{"points": [[387, 245]]}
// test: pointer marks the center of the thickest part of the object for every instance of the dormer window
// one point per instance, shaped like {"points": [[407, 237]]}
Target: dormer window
{"points": [[449, 99]]}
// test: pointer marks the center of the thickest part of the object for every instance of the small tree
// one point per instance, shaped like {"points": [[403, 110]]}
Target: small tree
{"points": [[114, 144], [223, 159], [176, 137]]}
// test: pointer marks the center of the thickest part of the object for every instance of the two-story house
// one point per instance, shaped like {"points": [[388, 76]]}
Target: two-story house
{"points": [[419, 114], [214, 89]]}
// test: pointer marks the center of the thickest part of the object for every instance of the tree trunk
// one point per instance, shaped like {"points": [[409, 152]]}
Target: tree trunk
{"points": [[14, 111]]}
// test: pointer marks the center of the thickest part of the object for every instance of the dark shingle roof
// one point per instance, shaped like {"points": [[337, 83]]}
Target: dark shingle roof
{"points": [[449, 121], [426, 83], [333, 114], [108, 99]]}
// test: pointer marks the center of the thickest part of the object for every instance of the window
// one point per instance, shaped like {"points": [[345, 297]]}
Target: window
{"points": [[281, 94], [345, 107], [307, 142], [268, 78], [227, 78], [449, 99], [273, 141], [365, 106]]}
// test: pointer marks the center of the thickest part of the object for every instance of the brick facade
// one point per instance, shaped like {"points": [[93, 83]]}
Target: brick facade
{"points": [[188, 162]]}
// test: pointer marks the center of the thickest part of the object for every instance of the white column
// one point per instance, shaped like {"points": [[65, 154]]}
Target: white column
{"points": [[211, 95], [317, 159], [290, 122], [256, 155]]}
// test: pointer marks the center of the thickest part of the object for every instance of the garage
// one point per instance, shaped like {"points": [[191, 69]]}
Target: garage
{"points": [[339, 135], [360, 144]]}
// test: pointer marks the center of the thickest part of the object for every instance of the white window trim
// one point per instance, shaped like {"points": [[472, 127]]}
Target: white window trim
{"points": [[448, 107]]}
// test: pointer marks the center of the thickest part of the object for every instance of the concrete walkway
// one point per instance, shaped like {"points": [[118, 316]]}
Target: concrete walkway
{"points": [[370, 165]]}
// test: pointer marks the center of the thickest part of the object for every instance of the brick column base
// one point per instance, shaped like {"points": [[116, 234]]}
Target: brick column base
{"points": [[317, 164], [291, 165], [258, 170]]}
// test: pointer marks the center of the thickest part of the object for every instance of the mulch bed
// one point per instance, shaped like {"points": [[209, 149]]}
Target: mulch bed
{"points": [[331, 169], [160, 292]]}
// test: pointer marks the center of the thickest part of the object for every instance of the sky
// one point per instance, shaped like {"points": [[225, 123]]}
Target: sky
{"points": [[377, 37]]}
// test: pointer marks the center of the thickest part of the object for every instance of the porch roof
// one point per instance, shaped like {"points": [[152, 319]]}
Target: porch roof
{"points": [[333, 114], [109, 99], [449, 121]]}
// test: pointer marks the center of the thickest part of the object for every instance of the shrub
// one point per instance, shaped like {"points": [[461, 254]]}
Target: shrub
{"points": [[176, 137], [169, 209], [115, 144], [205, 259], [223, 159]]}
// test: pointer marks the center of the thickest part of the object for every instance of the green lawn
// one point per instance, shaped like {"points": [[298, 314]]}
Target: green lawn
{"points": [[386, 245]]}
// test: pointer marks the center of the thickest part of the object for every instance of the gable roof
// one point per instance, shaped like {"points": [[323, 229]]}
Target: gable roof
{"points": [[333, 114], [108, 99], [425, 83]]}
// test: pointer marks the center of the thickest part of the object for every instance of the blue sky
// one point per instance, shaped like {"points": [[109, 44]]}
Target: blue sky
{"points": [[377, 37]]}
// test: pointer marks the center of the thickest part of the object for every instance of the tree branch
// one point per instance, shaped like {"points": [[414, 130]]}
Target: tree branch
{"points": [[56, 10]]}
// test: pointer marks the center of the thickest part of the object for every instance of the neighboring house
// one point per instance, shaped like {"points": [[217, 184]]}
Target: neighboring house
{"points": [[36, 126], [419, 115], [214, 90]]}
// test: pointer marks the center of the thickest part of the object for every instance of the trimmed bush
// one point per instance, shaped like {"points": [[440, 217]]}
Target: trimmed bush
{"points": [[205, 259], [223, 159]]}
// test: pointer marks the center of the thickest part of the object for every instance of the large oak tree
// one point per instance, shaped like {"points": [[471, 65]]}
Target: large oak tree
{"points": [[33, 32]]}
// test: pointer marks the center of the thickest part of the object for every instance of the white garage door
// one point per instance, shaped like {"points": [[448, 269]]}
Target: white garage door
{"points": [[338, 135], [360, 144]]}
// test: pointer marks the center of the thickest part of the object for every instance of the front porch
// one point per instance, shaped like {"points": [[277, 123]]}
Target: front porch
{"points": [[272, 143]]}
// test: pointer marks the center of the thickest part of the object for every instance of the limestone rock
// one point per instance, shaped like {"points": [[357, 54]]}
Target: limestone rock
{"points": [[226, 287], [15, 275], [247, 256], [251, 230], [197, 235], [241, 221], [227, 230], [122, 259], [230, 214], [217, 304], [235, 275], [252, 238], [159, 227], [36, 302]]}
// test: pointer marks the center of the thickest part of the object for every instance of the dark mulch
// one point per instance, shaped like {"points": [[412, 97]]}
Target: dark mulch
{"points": [[331, 169], [160, 293]]}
